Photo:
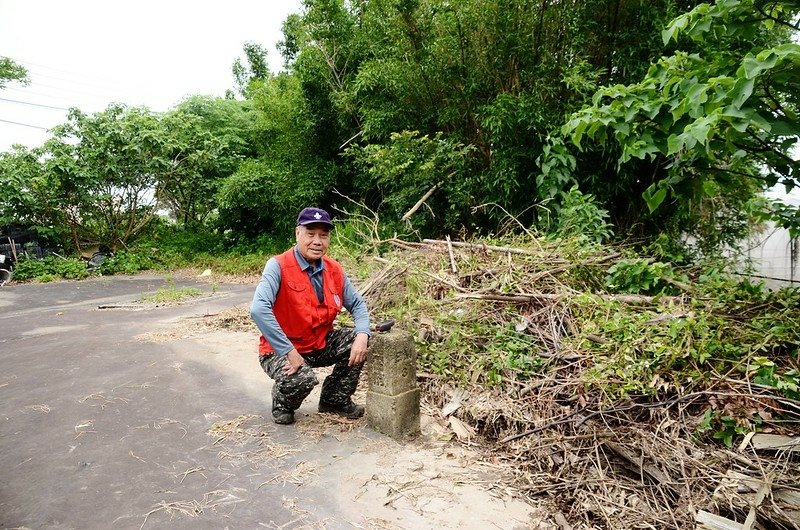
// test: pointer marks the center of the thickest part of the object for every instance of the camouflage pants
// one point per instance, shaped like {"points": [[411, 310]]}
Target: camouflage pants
{"points": [[288, 392]]}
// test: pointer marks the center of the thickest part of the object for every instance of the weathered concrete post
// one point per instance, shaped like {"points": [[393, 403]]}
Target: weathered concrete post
{"points": [[393, 395]]}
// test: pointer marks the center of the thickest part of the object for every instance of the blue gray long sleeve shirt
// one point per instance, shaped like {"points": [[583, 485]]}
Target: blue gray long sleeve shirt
{"points": [[264, 298]]}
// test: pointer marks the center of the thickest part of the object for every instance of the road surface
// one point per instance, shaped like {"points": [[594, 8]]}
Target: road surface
{"points": [[121, 418]]}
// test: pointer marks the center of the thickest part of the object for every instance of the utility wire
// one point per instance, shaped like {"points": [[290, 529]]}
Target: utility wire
{"points": [[84, 75], [32, 104], [24, 124], [82, 92], [42, 94], [76, 82]]}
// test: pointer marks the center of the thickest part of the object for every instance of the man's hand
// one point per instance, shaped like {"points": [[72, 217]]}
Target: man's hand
{"points": [[293, 362], [358, 352]]}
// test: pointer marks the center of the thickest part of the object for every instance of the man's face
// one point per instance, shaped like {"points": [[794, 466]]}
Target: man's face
{"points": [[313, 241]]}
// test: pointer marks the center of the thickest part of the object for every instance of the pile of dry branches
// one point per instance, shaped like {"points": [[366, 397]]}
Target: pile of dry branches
{"points": [[602, 459]]}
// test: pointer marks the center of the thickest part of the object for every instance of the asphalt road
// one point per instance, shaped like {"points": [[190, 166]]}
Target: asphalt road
{"points": [[101, 429], [98, 429]]}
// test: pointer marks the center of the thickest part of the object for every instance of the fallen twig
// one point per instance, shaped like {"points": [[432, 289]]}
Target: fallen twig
{"points": [[581, 416], [537, 297]]}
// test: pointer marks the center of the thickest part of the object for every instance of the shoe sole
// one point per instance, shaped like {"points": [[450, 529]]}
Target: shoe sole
{"points": [[286, 420], [348, 415]]}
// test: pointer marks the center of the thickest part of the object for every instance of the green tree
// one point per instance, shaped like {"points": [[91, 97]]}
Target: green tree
{"points": [[255, 69], [713, 124], [204, 141], [409, 168], [491, 74], [263, 198], [28, 197], [103, 170], [286, 172], [102, 177], [12, 71], [323, 50]]}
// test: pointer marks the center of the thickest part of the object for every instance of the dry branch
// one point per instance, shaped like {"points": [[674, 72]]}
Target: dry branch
{"points": [[493, 248], [709, 521], [635, 299], [419, 203], [453, 267]]}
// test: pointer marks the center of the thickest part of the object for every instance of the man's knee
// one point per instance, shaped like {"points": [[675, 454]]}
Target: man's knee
{"points": [[341, 340], [301, 382]]}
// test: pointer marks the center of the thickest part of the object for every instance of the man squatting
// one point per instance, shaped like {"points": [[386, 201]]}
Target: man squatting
{"points": [[300, 293]]}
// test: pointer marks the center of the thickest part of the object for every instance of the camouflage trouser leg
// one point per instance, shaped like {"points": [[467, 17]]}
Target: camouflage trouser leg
{"points": [[288, 391], [338, 387]]}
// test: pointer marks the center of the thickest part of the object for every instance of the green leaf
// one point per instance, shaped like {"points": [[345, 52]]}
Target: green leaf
{"points": [[654, 199], [675, 143], [785, 127], [741, 91], [753, 66], [639, 149], [701, 130], [578, 132], [674, 29]]}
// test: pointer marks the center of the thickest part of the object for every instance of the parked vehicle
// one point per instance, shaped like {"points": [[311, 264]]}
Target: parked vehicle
{"points": [[6, 269]]}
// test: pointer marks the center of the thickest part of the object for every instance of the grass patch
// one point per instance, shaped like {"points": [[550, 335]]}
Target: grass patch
{"points": [[170, 295]]}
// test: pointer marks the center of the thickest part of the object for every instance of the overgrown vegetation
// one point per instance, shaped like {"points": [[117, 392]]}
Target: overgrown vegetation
{"points": [[714, 121], [600, 374], [642, 339]]}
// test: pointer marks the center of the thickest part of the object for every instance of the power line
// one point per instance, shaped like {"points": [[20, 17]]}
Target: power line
{"points": [[104, 86], [32, 104], [86, 75], [24, 124], [42, 94], [82, 92], [99, 88]]}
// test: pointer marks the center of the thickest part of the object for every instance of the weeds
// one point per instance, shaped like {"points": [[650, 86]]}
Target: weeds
{"points": [[49, 269], [170, 294]]}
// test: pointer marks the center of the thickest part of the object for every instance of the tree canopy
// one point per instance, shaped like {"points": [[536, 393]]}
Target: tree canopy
{"points": [[714, 116], [493, 75], [483, 108], [11, 71], [101, 178]]}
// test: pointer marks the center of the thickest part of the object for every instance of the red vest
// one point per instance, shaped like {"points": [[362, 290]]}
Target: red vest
{"points": [[299, 313]]}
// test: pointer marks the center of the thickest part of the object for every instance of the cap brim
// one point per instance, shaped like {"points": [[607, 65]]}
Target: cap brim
{"points": [[315, 222]]}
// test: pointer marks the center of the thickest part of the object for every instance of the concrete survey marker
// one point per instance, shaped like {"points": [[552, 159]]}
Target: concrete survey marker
{"points": [[393, 395]]}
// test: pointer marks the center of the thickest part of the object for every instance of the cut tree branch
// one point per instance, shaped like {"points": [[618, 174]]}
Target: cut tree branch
{"points": [[420, 202]]}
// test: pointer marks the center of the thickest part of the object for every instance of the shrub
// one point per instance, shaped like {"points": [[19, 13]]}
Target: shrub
{"points": [[50, 268]]}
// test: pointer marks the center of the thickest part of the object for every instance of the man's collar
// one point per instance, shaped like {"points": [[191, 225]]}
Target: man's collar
{"points": [[303, 262]]}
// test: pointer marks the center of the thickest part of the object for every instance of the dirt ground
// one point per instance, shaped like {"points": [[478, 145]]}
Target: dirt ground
{"points": [[144, 416]]}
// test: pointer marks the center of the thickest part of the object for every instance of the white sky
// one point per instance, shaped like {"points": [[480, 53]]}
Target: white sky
{"points": [[90, 53]]}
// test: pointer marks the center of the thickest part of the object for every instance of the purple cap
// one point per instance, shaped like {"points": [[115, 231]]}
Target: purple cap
{"points": [[310, 216]]}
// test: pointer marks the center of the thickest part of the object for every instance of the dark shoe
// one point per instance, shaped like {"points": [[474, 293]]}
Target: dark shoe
{"points": [[282, 417], [350, 410]]}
